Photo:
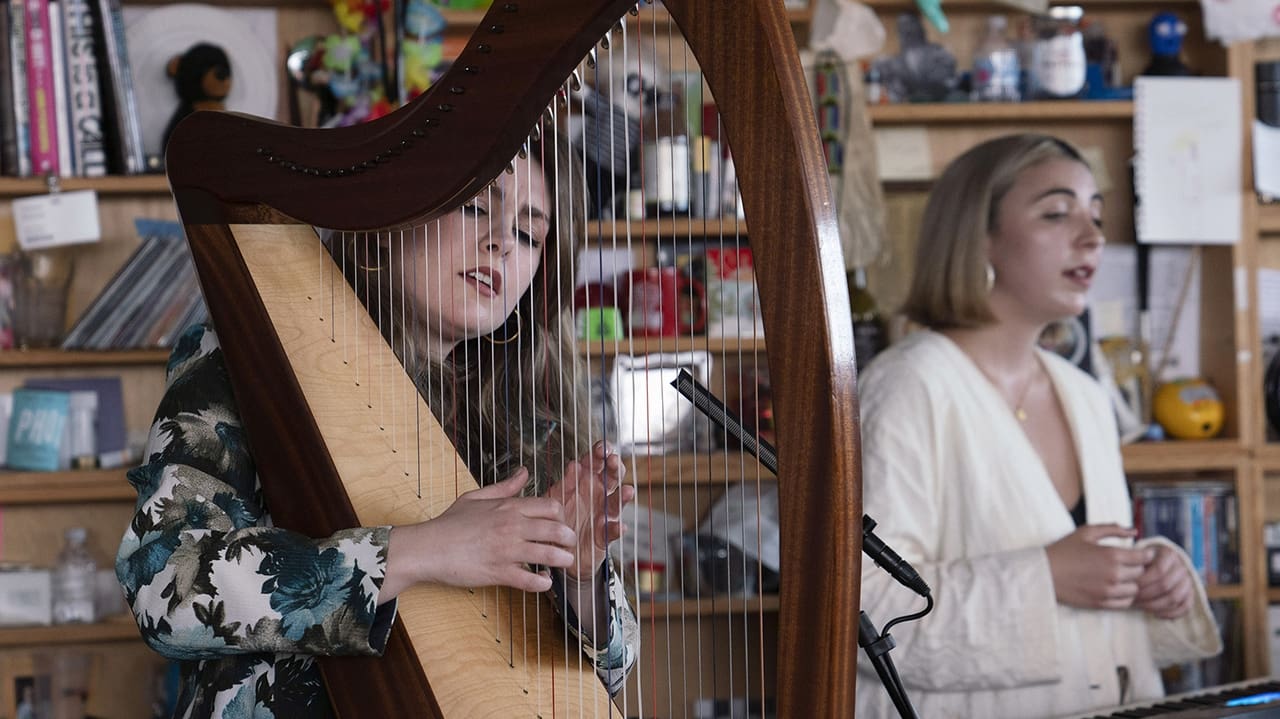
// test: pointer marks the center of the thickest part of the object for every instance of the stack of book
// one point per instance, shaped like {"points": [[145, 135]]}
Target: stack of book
{"points": [[67, 103], [1199, 516], [149, 302]]}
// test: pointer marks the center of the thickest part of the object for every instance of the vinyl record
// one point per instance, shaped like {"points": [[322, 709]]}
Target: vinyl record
{"points": [[164, 32]]}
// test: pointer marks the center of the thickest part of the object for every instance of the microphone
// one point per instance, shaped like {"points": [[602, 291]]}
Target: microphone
{"points": [[709, 405], [889, 561]]}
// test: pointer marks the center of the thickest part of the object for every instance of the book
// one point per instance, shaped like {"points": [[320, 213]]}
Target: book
{"points": [[88, 151], [8, 136], [37, 429], [109, 430], [61, 113], [41, 112], [18, 111], [150, 300], [122, 127]]}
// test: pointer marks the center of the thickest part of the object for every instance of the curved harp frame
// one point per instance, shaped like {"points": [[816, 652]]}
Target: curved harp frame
{"points": [[443, 148]]}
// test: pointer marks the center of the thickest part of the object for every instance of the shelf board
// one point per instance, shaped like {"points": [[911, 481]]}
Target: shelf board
{"points": [[115, 185], [686, 469], [708, 606], [85, 485], [19, 359], [651, 345], [1269, 219], [1225, 591], [1268, 456], [667, 228], [110, 630], [987, 112], [1182, 455]]}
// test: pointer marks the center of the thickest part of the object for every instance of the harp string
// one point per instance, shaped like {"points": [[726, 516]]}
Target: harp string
{"points": [[686, 635]]}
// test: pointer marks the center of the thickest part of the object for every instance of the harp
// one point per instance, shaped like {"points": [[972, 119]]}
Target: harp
{"points": [[250, 194]]}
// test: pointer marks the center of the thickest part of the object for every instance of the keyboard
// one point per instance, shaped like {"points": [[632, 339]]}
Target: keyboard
{"points": [[1254, 699]]}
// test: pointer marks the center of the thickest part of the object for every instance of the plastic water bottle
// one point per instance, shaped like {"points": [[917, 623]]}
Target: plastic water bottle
{"points": [[73, 580], [996, 71]]}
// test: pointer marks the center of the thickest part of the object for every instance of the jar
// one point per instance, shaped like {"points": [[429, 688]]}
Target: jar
{"points": [[1058, 60]]}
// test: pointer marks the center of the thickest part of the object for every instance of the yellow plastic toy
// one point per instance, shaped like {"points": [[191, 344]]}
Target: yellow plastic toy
{"points": [[1188, 409]]}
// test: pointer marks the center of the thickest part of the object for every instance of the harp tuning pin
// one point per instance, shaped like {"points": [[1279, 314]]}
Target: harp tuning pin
{"points": [[604, 42], [575, 81], [524, 151], [591, 58], [536, 133], [635, 10], [511, 167]]}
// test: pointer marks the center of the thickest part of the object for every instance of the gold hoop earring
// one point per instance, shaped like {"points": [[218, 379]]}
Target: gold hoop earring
{"points": [[509, 339], [991, 277]]}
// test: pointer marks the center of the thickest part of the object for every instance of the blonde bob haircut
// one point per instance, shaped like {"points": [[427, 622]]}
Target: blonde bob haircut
{"points": [[949, 288]]}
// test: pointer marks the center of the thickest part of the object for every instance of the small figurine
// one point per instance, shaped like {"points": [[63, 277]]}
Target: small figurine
{"points": [[922, 71], [1165, 33], [202, 77]]}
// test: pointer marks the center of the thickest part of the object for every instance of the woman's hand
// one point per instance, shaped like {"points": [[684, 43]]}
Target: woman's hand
{"points": [[1095, 576], [592, 496], [487, 537], [1167, 587]]}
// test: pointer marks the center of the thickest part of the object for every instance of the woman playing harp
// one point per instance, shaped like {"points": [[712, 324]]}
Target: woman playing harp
{"points": [[246, 606]]}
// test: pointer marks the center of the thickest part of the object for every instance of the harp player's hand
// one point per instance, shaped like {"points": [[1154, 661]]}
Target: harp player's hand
{"points": [[487, 537], [593, 494]]}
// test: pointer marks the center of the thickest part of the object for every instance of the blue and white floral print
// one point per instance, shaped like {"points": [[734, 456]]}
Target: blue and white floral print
{"points": [[244, 605]]}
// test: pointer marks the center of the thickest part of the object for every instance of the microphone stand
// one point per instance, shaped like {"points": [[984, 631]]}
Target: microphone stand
{"points": [[877, 646]]}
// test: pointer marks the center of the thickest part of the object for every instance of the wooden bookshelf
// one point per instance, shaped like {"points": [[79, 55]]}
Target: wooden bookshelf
{"points": [[117, 185], [1269, 219], [1225, 591], [115, 629], [20, 359], [660, 609], [650, 345], [708, 468], [665, 228], [1183, 456], [71, 487], [993, 112]]}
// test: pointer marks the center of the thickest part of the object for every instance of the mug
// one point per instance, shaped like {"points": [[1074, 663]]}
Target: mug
{"points": [[662, 302]]}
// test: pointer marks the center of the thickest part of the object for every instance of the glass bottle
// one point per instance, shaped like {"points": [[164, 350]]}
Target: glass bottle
{"points": [[996, 69], [666, 159], [74, 578], [1057, 57], [870, 335]]}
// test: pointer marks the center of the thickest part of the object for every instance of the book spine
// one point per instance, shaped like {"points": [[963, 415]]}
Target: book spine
{"points": [[40, 91], [61, 111], [83, 93], [18, 76], [8, 140], [124, 105]]}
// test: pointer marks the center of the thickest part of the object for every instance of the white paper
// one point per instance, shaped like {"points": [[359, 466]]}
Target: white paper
{"points": [[902, 153], [1266, 159], [1113, 298], [1188, 139], [1173, 330], [56, 219], [1113, 302]]}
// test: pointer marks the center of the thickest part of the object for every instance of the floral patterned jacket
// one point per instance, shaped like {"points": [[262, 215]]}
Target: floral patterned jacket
{"points": [[245, 605]]}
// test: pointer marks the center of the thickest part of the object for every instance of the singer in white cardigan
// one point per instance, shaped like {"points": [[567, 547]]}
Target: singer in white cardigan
{"points": [[994, 467]]}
